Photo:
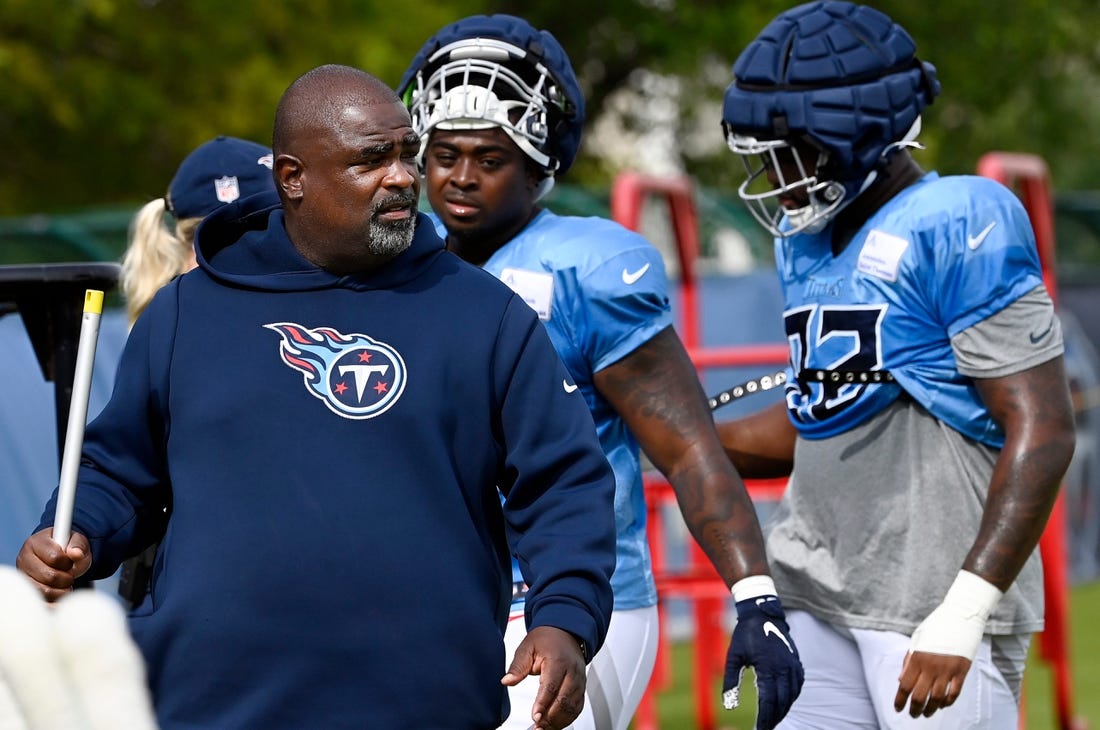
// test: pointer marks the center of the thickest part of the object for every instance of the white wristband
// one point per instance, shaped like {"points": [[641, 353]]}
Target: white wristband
{"points": [[957, 624], [753, 587]]}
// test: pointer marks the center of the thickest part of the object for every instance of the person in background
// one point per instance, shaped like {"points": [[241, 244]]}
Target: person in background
{"points": [[927, 421], [217, 172], [500, 113], [332, 447]]}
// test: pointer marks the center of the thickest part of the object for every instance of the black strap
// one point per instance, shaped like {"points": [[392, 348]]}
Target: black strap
{"points": [[769, 382], [756, 385], [844, 377]]}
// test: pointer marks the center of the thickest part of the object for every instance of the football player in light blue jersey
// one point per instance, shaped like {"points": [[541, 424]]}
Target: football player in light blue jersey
{"points": [[927, 422], [500, 114]]}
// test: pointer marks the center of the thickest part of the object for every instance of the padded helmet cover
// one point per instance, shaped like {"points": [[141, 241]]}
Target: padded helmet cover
{"points": [[844, 75]]}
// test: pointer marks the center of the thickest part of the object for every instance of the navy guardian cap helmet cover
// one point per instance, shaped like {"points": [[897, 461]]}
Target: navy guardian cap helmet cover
{"points": [[843, 77]]}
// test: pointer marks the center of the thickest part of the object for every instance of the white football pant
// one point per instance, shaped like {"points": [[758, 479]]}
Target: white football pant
{"points": [[617, 676]]}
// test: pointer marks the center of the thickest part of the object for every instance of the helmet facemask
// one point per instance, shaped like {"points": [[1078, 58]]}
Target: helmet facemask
{"points": [[481, 83], [823, 190], [795, 178]]}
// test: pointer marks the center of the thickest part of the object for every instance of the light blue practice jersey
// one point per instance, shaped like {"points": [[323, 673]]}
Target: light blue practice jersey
{"points": [[601, 290], [940, 256]]}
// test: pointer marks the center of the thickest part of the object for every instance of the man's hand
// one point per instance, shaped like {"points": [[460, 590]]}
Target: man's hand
{"points": [[761, 639], [944, 645], [72, 665], [934, 681], [54, 570], [554, 655]]}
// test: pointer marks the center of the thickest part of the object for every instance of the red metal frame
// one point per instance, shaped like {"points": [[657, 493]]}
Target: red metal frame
{"points": [[699, 582], [628, 196]]}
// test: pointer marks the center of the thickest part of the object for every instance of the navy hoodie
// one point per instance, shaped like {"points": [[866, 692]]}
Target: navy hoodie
{"points": [[330, 447]]}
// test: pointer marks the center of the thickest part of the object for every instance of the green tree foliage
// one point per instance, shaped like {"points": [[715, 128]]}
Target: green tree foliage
{"points": [[102, 98], [1019, 75]]}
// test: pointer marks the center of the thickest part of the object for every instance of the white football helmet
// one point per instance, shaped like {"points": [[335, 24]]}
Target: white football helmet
{"points": [[498, 71], [474, 89]]}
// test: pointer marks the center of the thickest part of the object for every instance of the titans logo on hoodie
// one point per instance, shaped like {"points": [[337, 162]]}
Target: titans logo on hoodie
{"points": [[355, 376]]}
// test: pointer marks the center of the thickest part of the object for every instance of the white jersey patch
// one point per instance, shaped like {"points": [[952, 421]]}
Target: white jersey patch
{"points": [[534, 287], [881, 254]]}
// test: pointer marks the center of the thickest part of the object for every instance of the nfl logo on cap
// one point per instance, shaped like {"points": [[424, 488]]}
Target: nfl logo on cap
{"points": [[227, 189], [236, 167]]}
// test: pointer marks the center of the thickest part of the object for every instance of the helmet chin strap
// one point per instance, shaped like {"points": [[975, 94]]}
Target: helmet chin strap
{"points": [[802, 219], [909, 139], [823, 206], [544, 187], [823, 213]]}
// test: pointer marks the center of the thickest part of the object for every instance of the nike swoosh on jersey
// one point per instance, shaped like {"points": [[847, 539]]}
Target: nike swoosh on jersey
{"points": [[770, 628], [972, 242], [569, 388], [629, 277]]}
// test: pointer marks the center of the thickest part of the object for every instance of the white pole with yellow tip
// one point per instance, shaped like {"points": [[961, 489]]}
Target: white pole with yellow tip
{"points": [[78, 416]]}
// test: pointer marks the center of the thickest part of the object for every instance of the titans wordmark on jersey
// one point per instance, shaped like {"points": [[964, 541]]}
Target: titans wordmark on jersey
{"points": [[354, 375]]}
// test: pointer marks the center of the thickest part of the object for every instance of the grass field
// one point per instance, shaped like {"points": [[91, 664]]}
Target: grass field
{"points": [[676, 711]]}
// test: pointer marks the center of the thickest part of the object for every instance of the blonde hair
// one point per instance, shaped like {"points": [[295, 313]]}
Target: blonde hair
{"points": [[154, 255]]}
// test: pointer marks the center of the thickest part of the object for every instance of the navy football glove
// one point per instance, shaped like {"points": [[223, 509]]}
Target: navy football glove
{"points": [[761, 639]]}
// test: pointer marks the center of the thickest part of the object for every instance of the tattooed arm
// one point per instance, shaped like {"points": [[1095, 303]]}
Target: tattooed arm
{"points": [[656, 389]]}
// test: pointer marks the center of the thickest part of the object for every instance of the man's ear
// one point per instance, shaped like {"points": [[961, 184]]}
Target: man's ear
{"points": [[288, 177]]}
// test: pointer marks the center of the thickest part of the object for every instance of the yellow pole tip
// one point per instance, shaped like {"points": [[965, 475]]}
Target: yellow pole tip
{"points": [[93, 301]]}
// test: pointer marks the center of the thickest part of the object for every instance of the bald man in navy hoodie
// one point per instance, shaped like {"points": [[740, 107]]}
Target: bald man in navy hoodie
{"points": [[328, 405]]}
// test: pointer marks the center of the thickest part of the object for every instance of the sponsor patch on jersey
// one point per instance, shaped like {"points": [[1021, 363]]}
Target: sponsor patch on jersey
{"points": [[881, 255], [534, 287], [354, 375]]}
